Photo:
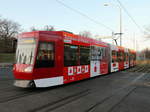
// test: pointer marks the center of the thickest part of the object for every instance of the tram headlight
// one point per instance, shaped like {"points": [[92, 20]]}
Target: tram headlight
{"points": [[28, 69]]}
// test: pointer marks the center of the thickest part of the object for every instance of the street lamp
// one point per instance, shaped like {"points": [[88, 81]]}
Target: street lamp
{"points": [[120, 18]]}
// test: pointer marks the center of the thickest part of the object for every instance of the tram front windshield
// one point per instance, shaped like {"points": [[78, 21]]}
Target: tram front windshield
{"points": [[25, 51]]}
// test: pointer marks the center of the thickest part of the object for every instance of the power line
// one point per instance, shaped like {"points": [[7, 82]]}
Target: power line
{"points": [[133, 20], [84, 15]]}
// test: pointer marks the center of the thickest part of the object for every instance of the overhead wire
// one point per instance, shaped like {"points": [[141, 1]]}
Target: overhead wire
{"points": [[84, 15], [127, 12]]}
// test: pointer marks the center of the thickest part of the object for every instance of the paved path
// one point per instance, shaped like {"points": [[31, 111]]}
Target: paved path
{"points": [[126, 91]]}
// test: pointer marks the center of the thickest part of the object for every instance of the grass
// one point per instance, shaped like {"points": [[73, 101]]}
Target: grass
{"points": [[7, 57], [143, 62]]}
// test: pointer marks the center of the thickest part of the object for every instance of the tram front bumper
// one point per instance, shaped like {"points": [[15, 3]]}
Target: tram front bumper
{"points": [[24, 83]]}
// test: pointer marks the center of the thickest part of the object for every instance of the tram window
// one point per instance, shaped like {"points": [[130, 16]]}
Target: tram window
{"points": [[97, 53], [25, 51], [103, 53], [84, 55], [71, 55], [45, 57]]}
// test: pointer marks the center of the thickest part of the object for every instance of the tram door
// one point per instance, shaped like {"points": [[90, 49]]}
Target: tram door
{"points": [[121, 59], [96, 55], [47, 59]]}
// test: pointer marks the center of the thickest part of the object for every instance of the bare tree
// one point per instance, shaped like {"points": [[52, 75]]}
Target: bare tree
{"points": [[85, 34], [147, 53], [8, 31], [45, 28], [49, 28], [33, 28]]}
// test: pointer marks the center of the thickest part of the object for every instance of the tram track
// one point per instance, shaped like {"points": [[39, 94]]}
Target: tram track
{"points": [[16, 96], [133, 69], [123, 93], [21, 94], [144, 69], [10, 88], [5, 85], [106, 100], [64, 101], [140, 69], [122, 99], [148, 70]]}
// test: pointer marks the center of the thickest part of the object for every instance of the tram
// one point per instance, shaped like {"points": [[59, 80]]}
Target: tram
{"points": [[50, 58]]}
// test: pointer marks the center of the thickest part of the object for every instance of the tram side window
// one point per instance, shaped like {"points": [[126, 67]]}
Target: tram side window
{"points": [[45, 56], [71, 55], [84, 55], [103, 53], [97, 53]]}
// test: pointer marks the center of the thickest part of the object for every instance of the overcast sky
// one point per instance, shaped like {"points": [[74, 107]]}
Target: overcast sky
{"points": [[38, 13]]}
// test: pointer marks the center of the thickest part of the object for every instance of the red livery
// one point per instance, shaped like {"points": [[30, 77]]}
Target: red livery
{"points": [[50, 58]]}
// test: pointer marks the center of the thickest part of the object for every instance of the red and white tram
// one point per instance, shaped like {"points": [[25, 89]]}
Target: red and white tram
{"points": [[50, 58]]}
